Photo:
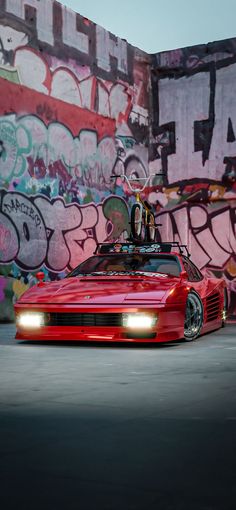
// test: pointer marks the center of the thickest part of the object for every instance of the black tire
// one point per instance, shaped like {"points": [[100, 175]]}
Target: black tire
{"points": [[225, 309], [150, 227], [137, 222], [193, 316]]}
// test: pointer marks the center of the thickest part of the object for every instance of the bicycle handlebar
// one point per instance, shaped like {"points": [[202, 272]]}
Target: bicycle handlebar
{"points": [[136, 190]]}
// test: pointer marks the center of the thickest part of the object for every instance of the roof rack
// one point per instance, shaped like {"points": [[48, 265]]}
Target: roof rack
{"points": [[183, 248], [142, 247]]}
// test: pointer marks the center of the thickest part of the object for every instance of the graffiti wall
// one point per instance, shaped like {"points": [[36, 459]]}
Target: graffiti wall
{"points": [[78, 105], [193, 142], [73, 111]]}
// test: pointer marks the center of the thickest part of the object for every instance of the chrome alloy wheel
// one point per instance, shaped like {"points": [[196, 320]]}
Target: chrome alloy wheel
{"points": [[193, 316], [225, 308]]}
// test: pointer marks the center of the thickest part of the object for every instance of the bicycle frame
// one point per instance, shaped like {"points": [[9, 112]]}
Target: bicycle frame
{"points": [[142, 218]]}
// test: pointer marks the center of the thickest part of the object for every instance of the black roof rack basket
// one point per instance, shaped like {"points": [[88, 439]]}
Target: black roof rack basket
{"points": [[142, 247]]}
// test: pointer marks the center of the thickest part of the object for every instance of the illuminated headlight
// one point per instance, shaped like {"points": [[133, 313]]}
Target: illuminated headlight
{"points": [[139, 320], [30, 320]]}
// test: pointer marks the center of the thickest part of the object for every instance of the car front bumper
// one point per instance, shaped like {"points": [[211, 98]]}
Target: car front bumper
{"points": [[169, 326]]}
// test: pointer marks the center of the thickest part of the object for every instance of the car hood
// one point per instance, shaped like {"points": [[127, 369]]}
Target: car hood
{"points": [[101, 290]]}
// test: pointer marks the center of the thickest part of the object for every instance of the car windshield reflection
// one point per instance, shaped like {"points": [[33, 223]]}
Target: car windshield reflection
{"points": [[123, 264]]}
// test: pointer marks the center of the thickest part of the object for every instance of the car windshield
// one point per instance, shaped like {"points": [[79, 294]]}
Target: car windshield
{"points": [[167, 264]]}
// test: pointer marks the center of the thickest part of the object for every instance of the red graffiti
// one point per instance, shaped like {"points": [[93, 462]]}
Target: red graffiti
{"points": [[19, 99]]}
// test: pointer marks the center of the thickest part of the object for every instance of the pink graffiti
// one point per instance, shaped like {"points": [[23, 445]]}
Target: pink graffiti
{"points": [[5, 238], [50, 232], [209, 234], [37, 230]]}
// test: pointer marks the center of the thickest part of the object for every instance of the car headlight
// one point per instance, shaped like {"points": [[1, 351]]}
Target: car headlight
{"points": [[30, 319], [139, 320]]}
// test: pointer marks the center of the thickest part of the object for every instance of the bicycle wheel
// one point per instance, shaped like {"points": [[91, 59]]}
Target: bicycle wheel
{"points": [[150, 227], [137, 222]]}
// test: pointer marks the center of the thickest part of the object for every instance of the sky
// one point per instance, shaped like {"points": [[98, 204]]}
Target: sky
{"points": [[157, 25]]}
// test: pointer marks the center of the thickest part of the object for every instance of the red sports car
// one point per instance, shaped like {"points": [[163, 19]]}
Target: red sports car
{"points": [[125, 292]]}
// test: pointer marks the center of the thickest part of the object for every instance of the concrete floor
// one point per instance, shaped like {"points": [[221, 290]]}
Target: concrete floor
{"points": [[96, 427]]}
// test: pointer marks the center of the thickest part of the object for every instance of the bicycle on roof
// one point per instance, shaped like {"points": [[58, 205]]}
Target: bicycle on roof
{"points": [[142, 218]]}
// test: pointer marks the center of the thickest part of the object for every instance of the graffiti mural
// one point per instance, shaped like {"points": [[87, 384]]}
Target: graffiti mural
{"points": [[193, 143], [94, 107], [194, 126], [79, 117], [36, 230], [41, 233], [70, 31], [27, 144]]}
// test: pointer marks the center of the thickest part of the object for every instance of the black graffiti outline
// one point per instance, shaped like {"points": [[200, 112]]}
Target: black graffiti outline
{"points": [[31, 199], [49, 231], [195, 230], [201, 127], [14, 229]]}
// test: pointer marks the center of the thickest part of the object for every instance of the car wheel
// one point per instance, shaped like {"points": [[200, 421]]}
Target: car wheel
{"points": [[225, 309], [193, 316]]}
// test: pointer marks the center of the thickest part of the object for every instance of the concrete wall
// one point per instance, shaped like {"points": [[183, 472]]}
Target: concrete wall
{"points": [[78, 104], [194, 142], [73, 111]]}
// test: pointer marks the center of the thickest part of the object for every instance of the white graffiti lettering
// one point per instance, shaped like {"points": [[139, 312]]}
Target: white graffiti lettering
{"points": [[106, 47], [71, 35], [210, 235], [36, 231], [53, 151], [29, 228], [44, 16], [225, 109], [64, 84], [178, 100]]}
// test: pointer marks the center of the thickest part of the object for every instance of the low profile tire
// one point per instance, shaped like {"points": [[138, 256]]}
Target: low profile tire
{"points": [[193, 316], [225, 308]]}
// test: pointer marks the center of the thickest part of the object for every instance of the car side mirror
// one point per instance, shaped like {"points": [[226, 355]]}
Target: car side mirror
{"points": [[40, 276], [183, 275]]}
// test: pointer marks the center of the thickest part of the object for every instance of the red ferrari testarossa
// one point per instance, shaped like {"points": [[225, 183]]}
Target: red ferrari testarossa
{"points": [[125, 292]]}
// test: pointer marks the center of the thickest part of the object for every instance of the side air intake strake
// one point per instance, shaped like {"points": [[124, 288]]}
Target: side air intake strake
{"points": [[213, 307]]}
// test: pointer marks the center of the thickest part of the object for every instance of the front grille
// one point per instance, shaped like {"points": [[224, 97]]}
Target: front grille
{"points": [[213, 307], [85, 319], [140, 335]]}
